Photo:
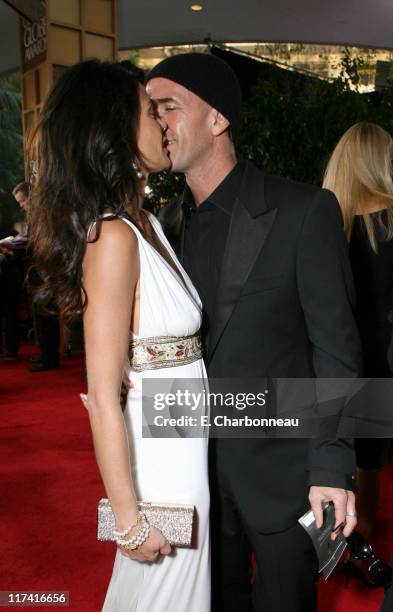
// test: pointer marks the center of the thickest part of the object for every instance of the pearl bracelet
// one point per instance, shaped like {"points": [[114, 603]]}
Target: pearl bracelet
{"points": [[140, 534], [124, 542], [138, 539], [135, 543], [122, 534]]}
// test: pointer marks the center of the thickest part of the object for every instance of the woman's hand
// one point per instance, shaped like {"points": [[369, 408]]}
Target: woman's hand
{"points": [[150, 551]]}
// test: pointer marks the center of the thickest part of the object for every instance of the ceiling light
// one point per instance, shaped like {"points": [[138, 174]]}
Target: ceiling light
{"points": [[196, 7]]}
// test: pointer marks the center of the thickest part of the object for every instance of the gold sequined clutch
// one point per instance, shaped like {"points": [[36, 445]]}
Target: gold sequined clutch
{"points": [[173, 520]]}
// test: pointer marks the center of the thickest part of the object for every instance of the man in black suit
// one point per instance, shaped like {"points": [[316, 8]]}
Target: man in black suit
{"points": [[47, 327], [269, 259]]}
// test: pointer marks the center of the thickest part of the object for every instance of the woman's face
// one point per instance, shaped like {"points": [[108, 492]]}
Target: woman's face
{"points": [[150, 135]]}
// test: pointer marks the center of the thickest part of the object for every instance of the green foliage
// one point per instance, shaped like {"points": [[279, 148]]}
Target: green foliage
{"points": [[350, 69], [291, 131], [164, 187], [11, 147], [11, 82]]}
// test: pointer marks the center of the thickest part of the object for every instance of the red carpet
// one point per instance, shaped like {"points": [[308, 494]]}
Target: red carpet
{"points": [[50, 487]]}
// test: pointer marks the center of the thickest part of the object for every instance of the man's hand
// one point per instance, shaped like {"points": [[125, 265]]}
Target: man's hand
{"points": [[344, 507], [126, 385]]}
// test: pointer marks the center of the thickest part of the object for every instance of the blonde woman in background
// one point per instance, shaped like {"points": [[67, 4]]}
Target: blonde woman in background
{"points": [[359, 173]]}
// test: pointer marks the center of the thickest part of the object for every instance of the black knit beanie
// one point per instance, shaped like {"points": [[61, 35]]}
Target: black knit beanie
{"points": [[207, 76]]}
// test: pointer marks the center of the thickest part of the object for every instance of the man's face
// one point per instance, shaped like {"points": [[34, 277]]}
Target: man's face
{"points": [[22, 200], [150, 135], [188, 136]]}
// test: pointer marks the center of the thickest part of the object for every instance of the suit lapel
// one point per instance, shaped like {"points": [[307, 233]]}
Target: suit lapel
{"points": [[182, 232], [172, 219], [178, 229], [250, 225]]}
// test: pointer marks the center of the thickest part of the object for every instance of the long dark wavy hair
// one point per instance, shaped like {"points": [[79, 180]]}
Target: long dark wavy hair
{"points": [[83, 150]]}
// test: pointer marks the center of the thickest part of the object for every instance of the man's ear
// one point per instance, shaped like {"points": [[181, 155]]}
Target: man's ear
{"points": [[219, 123]]}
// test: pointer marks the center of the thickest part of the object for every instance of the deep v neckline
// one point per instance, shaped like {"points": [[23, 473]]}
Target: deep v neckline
{"points": [[175, 269], [177, 272]]}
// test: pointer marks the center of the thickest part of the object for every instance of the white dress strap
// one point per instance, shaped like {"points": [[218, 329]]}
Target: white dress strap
{"points": [[93, 223]]}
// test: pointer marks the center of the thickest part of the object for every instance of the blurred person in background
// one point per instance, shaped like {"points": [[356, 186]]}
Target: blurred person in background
{"points": [[4, 233], [359, 173], [21, 195], [46, 326], [12, 272], [11, 283]]}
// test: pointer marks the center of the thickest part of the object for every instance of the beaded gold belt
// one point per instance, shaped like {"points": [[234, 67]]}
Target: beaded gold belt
{"points": [[164, 351]]}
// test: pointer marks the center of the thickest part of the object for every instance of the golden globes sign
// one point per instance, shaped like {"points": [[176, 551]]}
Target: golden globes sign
{"points": [[34, 39]]}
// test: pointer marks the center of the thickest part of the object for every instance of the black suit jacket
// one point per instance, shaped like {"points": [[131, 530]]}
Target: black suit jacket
{"points": [[390, 349], [387, 604], [284, 309]]}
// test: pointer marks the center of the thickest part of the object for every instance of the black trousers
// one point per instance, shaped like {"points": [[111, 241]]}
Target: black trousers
{"points": [[286, 562], [48, 332], [9, 312], [10, 288], [387, 605]]}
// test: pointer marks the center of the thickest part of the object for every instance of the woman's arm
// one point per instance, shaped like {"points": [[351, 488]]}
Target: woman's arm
{"points": [[110, 274]]}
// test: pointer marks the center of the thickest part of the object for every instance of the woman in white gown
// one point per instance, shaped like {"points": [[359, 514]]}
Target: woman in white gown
{"points": [[99, 253]]}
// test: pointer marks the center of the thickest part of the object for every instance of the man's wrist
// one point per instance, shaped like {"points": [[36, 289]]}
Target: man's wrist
{"points": [[337, 480]]}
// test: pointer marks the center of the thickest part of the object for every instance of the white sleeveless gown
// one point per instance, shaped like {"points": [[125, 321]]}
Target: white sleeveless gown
{"points": [[165, 470]]}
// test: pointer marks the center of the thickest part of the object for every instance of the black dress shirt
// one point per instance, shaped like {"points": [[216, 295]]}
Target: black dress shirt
{"points": [[206, 231]]}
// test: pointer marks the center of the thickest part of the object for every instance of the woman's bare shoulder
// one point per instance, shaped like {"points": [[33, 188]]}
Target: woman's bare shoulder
{"points": [[113, 232], [116, 244]]}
